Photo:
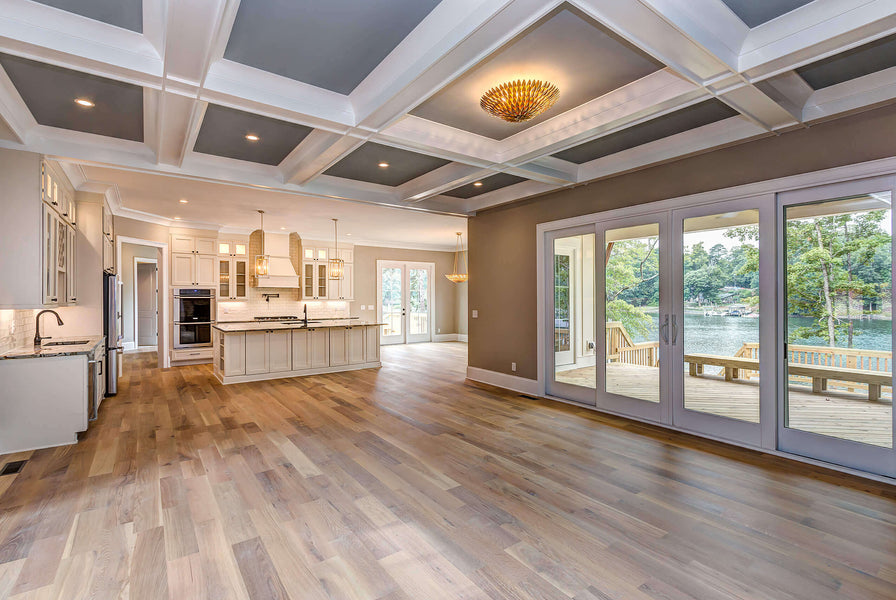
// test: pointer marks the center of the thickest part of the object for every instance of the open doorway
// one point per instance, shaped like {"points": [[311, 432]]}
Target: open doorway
{"points": [[140, 300]]}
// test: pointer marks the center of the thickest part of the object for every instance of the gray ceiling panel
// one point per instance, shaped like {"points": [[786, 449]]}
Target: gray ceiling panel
{"points": [[127, 14], [864, 60], [679, 121], [50, 93], [333, 45], [223, 133], [363, 165], [566, 47], [757, 12], [489, 184]]}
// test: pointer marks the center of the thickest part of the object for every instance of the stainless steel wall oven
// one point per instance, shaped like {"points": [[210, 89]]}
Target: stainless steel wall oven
{"points": [[194, 315]]}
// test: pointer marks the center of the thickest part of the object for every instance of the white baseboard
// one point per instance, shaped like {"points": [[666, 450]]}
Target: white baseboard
{"points": [[503, 380], [444, 337], [462, 337], [129, 345]]}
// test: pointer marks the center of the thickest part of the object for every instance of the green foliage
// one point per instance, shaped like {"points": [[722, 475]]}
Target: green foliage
{"points": [[633, 282]]}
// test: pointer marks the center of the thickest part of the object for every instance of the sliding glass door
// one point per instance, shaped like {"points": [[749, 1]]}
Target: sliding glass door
{"points": [[836, 326], [723, 316]]}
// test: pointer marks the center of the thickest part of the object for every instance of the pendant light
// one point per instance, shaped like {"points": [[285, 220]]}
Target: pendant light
{"points": [[455, 276], [336, 266], [262, 261]]}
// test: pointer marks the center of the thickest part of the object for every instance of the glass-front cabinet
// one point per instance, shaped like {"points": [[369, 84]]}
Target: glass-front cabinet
{"points": [[232, 281], [314, 280]]}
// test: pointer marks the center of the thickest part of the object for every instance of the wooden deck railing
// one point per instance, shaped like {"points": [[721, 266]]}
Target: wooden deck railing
{"points": [[621, 348]]}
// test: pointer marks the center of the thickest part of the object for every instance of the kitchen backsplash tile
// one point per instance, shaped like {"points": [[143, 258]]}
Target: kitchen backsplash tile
{"points": [[288, 303], [16, 328]]}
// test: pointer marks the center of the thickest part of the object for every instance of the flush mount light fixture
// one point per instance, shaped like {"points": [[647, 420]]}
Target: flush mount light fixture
{"points": [[520, 100], [262, 261], [84, 102], [478, 184], [252, 137], [456, 276], [384, 165], [336, 266]]}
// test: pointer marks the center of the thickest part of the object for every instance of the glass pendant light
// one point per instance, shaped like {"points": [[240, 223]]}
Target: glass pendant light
{"points": [[455, 276]]}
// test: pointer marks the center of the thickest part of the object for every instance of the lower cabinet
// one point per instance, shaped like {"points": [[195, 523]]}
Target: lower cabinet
{"points": [[310, 349], [356, 338], [338, 346], [231, 348], [268, 352]]}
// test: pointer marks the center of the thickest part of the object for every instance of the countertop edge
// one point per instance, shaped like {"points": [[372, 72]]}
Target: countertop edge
{"points": [[53, 352]]}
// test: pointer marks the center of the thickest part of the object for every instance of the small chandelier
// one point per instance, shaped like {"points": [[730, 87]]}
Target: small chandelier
{"points": [[262, 261], [336, 266], [455, 276], [520, 100]]}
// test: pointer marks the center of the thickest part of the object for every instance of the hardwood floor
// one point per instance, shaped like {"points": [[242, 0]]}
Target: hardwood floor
{"points": [[407, 483]]}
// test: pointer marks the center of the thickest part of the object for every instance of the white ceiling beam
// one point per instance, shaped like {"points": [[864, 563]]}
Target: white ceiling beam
{"points": [[315, 154], [54, 36], [754, 104], [508, 194], [789, 90], [14, 111], [177, 130], [538, 171], [152, 120], [155, 23], [870, 90], [443, 179]]}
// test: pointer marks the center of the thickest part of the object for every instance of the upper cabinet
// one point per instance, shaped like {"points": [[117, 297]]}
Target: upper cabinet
{"points": [[316, 282], [39, 224], [314, 254], [194, 261], [233, 248]]}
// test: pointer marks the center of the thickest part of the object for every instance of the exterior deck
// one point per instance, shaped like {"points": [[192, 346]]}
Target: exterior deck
{"points": [[837, 413]]}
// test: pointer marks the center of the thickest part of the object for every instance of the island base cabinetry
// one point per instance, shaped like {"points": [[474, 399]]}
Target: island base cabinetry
{"points": [[271, 354]]}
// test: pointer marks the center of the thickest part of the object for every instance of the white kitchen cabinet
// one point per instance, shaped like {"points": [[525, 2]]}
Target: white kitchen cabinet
{"points": [[320, 348], [343, 289], [206, 245], [231, 349], [338, 346], [205, 270], [268, 351], [314, 281], [108, 255], [314, 254], [372, 341], [346, 254], [280, 351], [257, 357], [232, 279], [71, 279], [194, 261], [310, 349], [182, 244], [49, 250], [182, 269], [233, 248], [356, 338]]}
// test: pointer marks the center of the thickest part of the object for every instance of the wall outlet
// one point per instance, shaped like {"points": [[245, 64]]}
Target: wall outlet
{"points": [[438, 331], [475, 314], [513, 367]]}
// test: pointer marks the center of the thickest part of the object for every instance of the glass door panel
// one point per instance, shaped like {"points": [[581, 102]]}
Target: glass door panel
{"points": [[571, 316], [631, 312], [418, 287], [224, 278], [837, 380], [240, 270], [391, 292]]}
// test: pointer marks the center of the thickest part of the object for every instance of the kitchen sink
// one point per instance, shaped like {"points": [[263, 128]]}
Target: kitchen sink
{"points": [[71, 343]]}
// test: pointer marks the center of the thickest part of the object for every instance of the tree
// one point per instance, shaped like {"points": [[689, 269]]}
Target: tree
{"points": [[632, 277], [702, 285]]}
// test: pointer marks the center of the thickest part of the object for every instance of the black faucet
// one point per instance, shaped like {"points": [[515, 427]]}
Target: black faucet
{"points": [[37, 337], [305, 312]]}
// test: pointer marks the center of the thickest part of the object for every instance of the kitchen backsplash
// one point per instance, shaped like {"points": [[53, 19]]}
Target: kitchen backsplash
{"points": [[16, 328], [287, 303]]}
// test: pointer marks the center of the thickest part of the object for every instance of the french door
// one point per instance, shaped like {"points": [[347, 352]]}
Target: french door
{"points": [[836, 331], [404, 301]]}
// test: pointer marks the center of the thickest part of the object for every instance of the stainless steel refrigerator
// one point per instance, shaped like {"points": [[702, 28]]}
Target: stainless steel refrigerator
{"points": [[110, 330]]}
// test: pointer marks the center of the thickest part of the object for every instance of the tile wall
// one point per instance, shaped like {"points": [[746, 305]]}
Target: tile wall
{"points": [[16, 328], [288, 303]]}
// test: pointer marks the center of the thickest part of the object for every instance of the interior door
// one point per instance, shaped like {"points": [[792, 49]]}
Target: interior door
{"points": [[722, 275], [147, 301], [835, 324], [405, 301]]}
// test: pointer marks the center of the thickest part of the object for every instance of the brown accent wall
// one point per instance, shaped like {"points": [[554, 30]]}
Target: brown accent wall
{"points": [[502, 283]]}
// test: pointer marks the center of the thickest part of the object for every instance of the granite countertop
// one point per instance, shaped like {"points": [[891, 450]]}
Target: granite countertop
{"points": [[312, 324], [30, 351]]}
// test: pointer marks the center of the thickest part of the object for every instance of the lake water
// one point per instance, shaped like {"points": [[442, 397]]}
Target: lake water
{"points": [[725, 335]]}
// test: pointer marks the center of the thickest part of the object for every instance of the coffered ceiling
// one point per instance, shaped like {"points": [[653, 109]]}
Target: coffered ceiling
{"points": [[332, 89]]}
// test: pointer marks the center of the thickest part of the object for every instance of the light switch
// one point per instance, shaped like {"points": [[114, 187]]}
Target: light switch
{"points": [[475, 314]]}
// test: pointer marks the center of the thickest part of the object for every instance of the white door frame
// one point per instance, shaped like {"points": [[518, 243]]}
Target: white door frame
{"points": [[405, 267], [164, 329], [138, 260]]}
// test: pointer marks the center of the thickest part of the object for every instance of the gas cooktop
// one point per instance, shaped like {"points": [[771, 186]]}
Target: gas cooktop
{"points": [[280, 318]]}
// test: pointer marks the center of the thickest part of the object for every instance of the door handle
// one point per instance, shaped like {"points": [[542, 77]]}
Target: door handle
{"points": [[674, 330], [664, 329]]}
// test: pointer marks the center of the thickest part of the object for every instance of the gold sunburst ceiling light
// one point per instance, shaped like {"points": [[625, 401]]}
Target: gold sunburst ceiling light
{"points": [[520, 100]]}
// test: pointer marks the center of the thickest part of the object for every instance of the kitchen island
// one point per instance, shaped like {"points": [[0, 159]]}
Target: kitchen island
{"points": [[273, 350]]}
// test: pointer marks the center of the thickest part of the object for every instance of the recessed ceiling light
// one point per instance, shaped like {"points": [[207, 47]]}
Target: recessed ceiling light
{"points": [[347, 234], [177, 218], [478, 184], [84, 102], [183, 200], [384, 165], [283, 228], [252, 137]]}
